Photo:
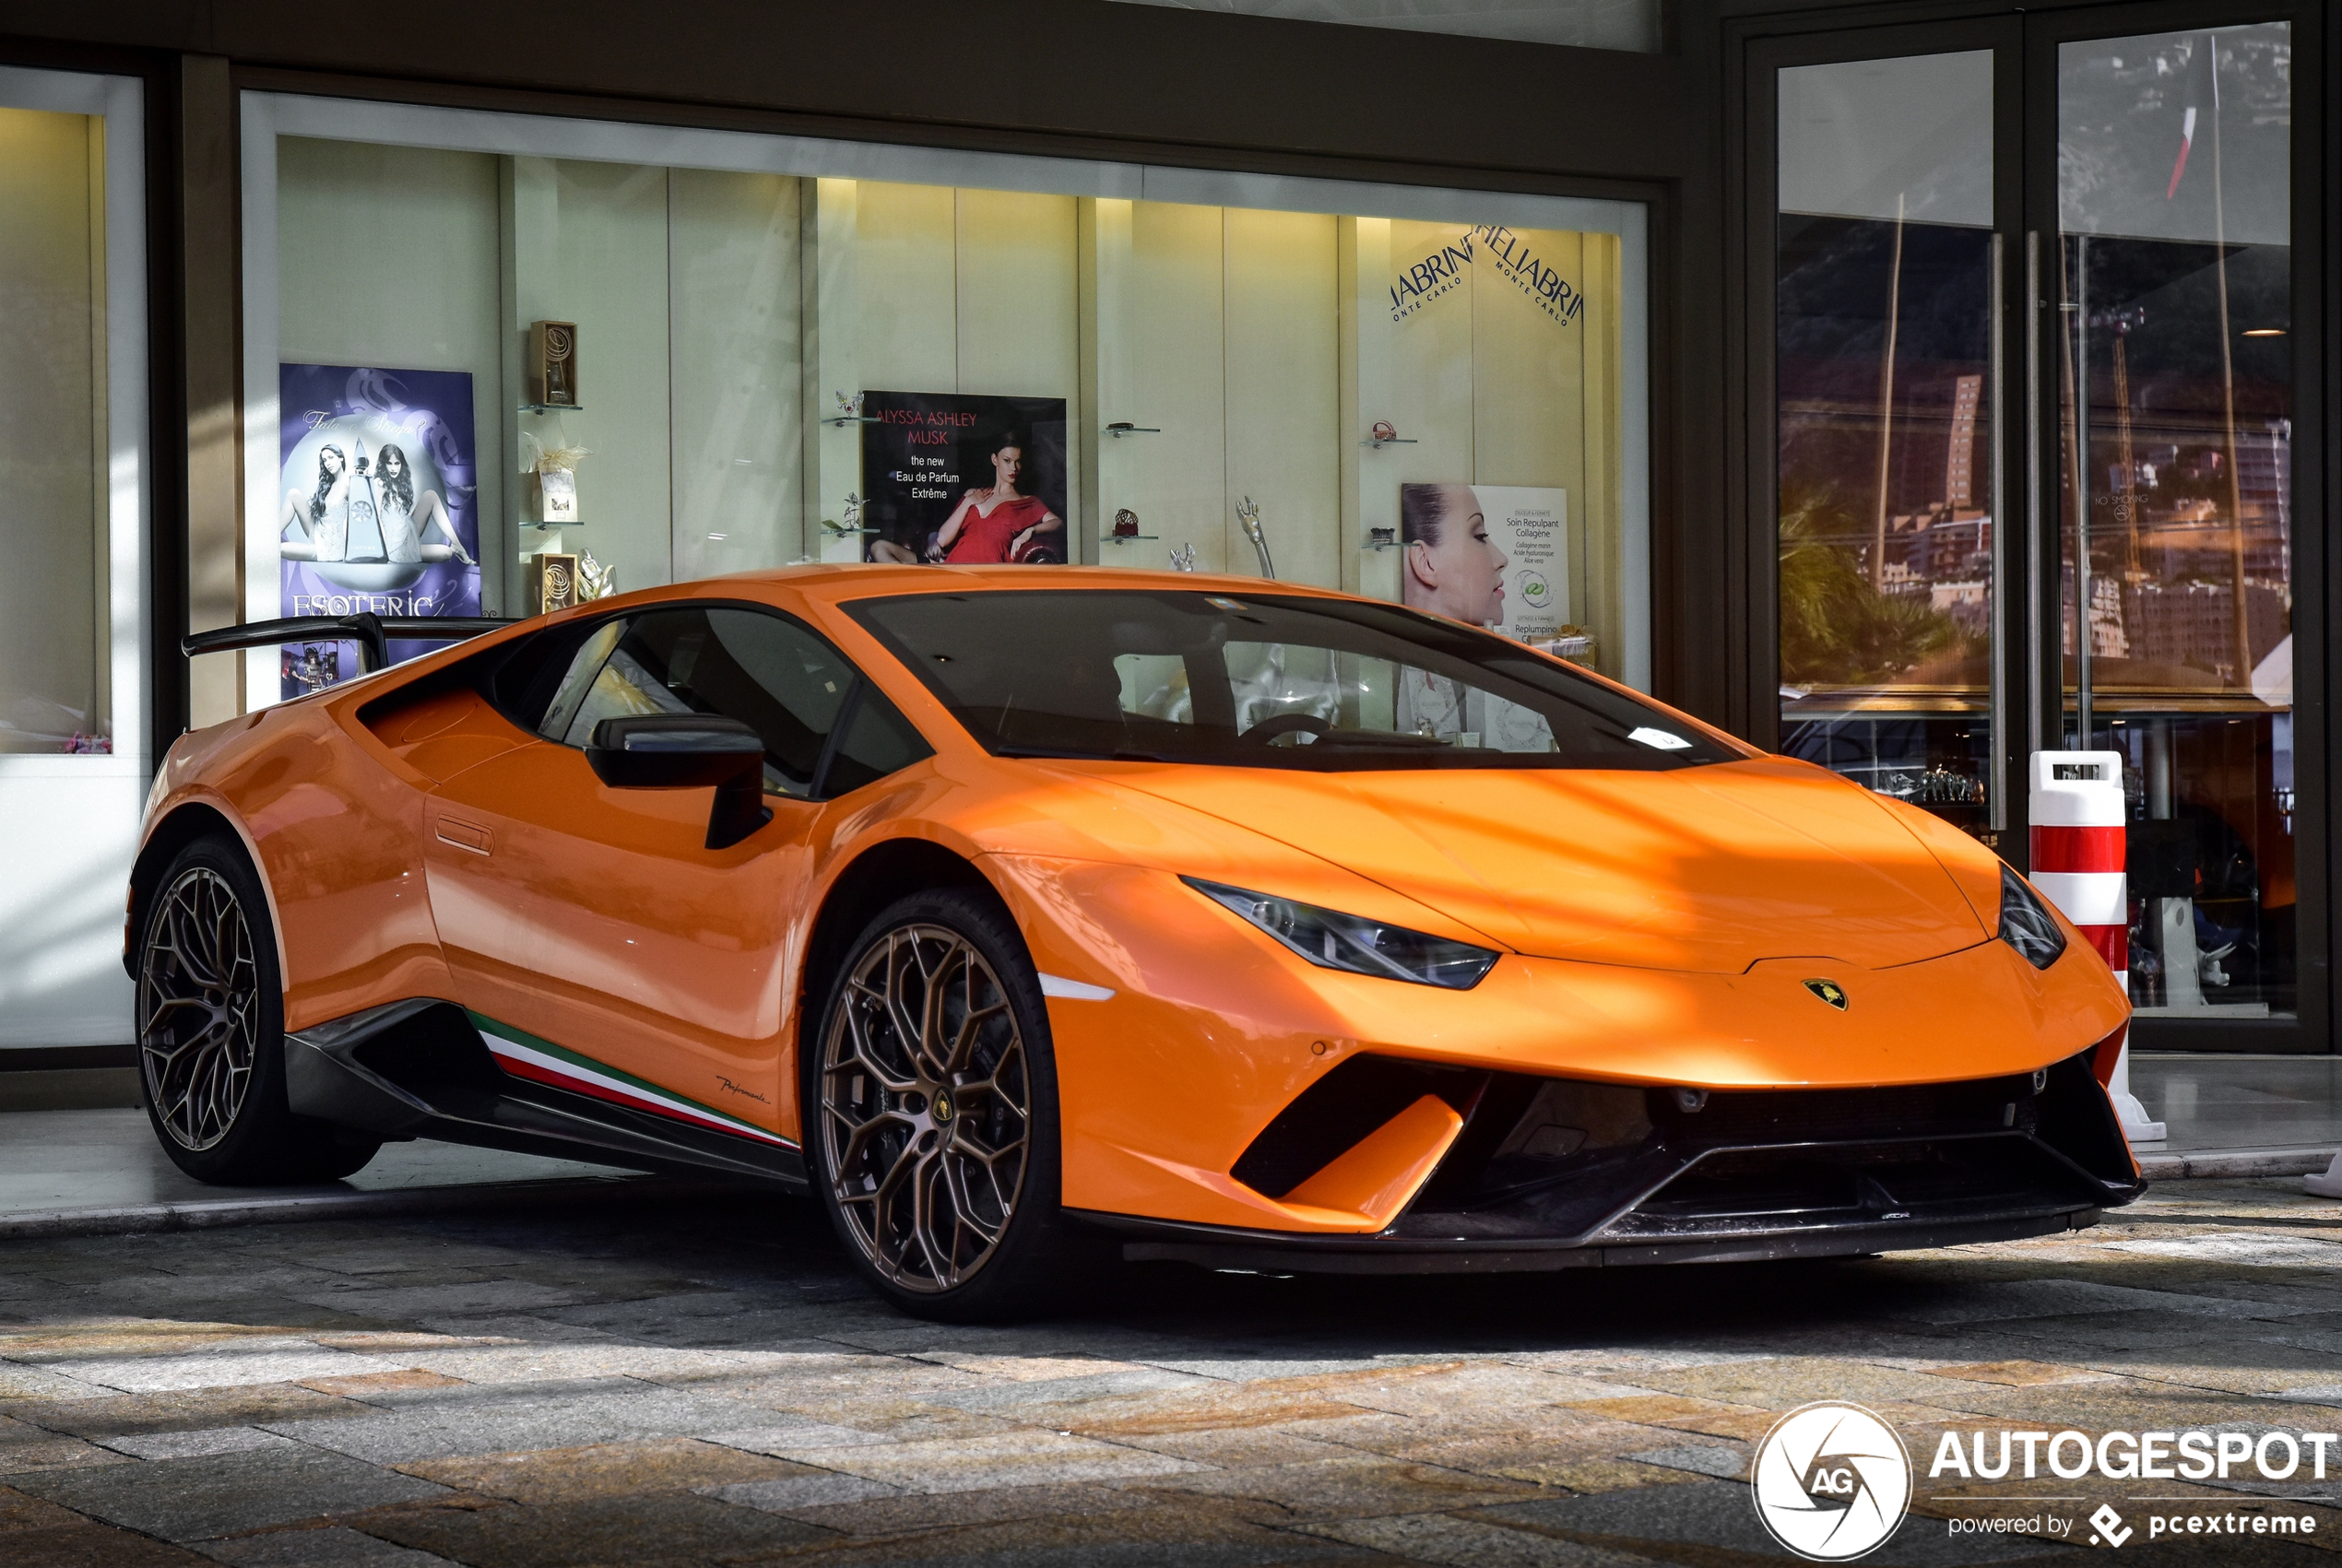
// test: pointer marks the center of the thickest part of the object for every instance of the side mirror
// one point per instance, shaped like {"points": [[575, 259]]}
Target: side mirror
{"points": [[688, 752]]}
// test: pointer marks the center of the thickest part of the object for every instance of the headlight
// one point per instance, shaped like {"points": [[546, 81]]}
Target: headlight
{"points": [[2025, 925], [1333, 940]]}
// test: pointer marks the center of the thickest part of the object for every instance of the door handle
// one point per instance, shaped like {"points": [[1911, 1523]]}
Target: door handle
{"points": [[466, 835], [1996, 663], [2034, 652]]}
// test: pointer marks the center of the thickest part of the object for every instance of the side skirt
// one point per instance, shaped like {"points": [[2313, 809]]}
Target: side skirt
{"points": [[428, 1068]]}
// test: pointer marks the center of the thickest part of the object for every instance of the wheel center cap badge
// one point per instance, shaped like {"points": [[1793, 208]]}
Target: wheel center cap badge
{"points": [[1830, 991], [940, 1108]]}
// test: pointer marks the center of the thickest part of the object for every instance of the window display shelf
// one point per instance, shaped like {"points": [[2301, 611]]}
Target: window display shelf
{"points": [[552, 409], [1121, 428], [1125, 538]]}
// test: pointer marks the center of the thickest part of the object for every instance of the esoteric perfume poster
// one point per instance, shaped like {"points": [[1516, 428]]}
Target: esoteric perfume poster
{"points": [[377, 504]]}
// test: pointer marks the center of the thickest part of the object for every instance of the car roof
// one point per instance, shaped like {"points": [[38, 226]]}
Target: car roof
{"points": [[840, 583]]}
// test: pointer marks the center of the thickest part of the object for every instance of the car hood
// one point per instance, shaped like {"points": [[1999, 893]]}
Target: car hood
{"points": [[1709, 868]]}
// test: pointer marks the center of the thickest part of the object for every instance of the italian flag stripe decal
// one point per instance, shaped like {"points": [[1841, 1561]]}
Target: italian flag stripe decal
{"points": [[540, 1061]]}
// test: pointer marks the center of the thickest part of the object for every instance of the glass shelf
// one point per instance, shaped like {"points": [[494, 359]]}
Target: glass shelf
{"points": [[552, 409]]}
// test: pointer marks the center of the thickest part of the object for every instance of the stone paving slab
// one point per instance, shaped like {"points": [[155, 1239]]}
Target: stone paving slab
{"points": [[652, 1385]]}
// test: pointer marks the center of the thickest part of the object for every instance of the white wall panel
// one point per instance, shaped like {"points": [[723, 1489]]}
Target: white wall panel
{"points": [[738, 440], [1282, 361]]}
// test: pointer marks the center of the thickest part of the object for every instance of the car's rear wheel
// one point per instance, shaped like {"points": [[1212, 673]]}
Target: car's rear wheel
{"points": [[210, 1016], [931, 1125]]}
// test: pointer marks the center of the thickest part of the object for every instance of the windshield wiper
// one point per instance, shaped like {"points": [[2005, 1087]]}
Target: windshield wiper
{"points": [[1068, 754], [1371, 738]]}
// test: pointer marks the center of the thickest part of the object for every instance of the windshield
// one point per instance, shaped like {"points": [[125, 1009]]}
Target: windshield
{"points": [[1262, 680]]}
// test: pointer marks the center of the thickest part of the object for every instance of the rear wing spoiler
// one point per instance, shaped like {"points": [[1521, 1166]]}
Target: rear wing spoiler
{"points": [[371, 633]]}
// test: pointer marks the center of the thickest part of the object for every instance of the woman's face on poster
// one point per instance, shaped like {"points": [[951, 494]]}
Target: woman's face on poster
{"points": [[331, 460], [393, 464], [1463, 576], [1008, 464]]}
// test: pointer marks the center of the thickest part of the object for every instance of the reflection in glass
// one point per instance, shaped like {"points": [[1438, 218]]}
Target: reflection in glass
{"points": [[1884, 351], [2174, 475]]}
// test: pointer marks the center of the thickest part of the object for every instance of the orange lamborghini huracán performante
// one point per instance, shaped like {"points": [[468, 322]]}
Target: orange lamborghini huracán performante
{"points": [[1019, 916]]}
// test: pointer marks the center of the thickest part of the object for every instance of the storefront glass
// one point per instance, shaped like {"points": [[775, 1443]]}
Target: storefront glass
{"points": [[55, 694], [2174, 287], [494, 360], [73, 431]]}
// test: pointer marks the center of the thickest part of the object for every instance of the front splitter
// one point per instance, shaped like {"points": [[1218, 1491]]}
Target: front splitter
{"points": [[1155, 1241]]}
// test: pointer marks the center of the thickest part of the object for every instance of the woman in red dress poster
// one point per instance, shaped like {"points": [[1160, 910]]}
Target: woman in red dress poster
{"points": [[995, 523]]}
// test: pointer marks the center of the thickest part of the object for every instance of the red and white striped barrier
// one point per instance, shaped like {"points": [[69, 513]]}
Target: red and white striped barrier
{"points": [[2077, 810]]}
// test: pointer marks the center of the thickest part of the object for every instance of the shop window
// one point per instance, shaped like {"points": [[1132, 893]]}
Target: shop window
{"points": [[55, 695], [616, 357], [73, 520]]}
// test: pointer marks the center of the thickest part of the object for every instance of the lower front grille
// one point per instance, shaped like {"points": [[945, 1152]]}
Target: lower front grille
{"points": [[1771, 1191]]}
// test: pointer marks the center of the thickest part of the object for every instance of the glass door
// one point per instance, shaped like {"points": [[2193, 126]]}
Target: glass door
{"points": [[2042, 467], [2170, 273], [1890, 247]]}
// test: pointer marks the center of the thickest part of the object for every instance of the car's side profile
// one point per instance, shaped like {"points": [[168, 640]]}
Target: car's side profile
{"points": [[1016, 915]]}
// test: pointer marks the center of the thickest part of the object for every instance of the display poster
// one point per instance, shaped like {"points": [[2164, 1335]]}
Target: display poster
{"points": [[954, 478], [1531, 526], [1493, 555], [377, 504]]}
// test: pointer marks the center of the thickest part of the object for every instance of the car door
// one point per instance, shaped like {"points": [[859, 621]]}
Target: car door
{"points": [[604, 946]]}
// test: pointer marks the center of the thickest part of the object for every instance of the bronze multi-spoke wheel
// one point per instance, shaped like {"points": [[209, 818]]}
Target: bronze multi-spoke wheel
{"points": [[210, 1015], [932, 1122], [198, 1010]]}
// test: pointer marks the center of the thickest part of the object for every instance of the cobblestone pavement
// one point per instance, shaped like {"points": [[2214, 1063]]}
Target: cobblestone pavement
{"points": [[647, 1385]]}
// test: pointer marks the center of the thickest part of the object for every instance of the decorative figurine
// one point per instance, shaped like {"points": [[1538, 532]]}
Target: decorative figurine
{"points": [[1249, 515], [595, 580], [552, 365], [552, 577], [556, 470], [1126, 524], [1183, 558]]}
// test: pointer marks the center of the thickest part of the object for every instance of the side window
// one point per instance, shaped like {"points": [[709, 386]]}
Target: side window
{"points": [[570, 695], [877, 741], [762, 669]]}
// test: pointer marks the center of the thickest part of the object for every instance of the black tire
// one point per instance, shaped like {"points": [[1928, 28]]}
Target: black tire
{"points": [[908, 1128], [210, 1025]]}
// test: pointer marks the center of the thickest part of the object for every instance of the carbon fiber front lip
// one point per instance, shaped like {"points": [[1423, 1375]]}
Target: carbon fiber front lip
{"points": [[1613, 1228], [1156, 1241]]}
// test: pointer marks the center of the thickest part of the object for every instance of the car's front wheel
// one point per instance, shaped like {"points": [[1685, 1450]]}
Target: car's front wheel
{"points": [[931, 1114], [210, 1016]]}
